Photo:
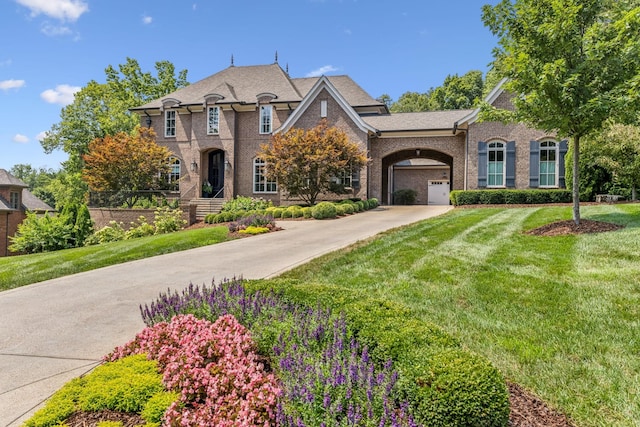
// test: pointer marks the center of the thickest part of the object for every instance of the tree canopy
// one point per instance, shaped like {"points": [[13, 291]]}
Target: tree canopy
{"points": [[572, 64], [619, 147], [125, 164], [101, 109], [306, 163], [457, 92]]}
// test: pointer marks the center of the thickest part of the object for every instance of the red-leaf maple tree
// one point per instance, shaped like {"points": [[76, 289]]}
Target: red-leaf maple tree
{"points": [[305, 162], [125, 164]]}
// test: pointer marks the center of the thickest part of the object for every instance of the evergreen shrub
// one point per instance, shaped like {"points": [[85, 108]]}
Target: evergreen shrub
{"points": [[324, 210]]}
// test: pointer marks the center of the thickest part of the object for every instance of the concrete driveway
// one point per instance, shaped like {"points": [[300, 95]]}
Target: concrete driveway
{"points": [[53, 331]]}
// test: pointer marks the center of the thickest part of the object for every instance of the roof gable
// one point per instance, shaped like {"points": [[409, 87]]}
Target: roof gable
{"points": [[489, 99], [324, 83], [6, 179]]}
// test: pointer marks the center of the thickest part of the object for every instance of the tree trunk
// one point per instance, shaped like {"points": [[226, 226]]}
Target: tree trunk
{"points": [[576, 179], [634, 193]]}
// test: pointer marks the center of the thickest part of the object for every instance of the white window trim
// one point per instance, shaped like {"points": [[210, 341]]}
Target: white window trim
{"points": [[259, 162], [216, 130], [261, 127], [504, 163], [556, 147], [323, 108], [167, 128]]}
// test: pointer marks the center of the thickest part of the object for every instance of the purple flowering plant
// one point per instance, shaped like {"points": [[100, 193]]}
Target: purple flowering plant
{"points": [[326, 378]]}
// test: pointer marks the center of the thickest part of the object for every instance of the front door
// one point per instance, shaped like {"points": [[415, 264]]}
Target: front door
{"points": [[216, 173]]}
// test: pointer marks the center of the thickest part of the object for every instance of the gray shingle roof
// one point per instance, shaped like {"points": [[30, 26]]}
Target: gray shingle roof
{"points": [[7, 179], [428, 120], [242, 84], [34, 204]]}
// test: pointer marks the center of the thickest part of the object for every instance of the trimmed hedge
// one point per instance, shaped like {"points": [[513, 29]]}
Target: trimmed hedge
{"points": [[509, 197]]}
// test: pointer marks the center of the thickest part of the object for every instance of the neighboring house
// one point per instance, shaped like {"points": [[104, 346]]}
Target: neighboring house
{"points": [[15, 201], [215, 126]]}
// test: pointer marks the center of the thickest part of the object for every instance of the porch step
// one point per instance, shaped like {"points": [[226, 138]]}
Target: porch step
{"points": [[206, 206]]}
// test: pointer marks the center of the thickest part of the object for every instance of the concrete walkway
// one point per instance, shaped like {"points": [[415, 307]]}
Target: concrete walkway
{"points": [[53, 331]]}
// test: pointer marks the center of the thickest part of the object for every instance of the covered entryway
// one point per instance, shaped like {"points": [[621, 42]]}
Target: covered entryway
{"points": [[414, 170], [215, 173]]}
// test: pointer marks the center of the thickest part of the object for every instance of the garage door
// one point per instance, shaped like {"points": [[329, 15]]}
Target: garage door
{"points": [[438, 192]]}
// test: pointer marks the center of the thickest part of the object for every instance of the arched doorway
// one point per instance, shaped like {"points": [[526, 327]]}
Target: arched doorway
{"points": [[420, 170]]}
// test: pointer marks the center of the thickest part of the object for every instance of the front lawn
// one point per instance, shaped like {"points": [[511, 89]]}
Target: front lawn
{"points": [[558, 315], [22, 270]]}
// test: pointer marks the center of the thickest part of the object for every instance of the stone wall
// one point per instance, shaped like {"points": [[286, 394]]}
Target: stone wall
{"points": [[102, 216]]}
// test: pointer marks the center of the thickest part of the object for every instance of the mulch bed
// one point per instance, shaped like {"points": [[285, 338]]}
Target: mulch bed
{"points": [[562, 228]]}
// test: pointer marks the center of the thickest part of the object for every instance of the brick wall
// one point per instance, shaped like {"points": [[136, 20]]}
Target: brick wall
{"points": [[102, 216]]}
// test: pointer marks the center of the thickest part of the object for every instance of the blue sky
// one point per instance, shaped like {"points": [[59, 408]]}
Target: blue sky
{"points": [[52, 48]]}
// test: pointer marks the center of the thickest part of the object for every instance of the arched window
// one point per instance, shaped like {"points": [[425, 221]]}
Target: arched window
{"points": [[496, 164], [548, 164], [260, 182]]}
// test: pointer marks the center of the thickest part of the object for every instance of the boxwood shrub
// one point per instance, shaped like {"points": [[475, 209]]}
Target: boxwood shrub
{"points": [[324, 210], [498, 197]]}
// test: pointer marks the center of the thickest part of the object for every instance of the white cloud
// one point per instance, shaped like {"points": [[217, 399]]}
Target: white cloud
{"points": [[62, 94], [147, 19], [42, 135], [322, 71], [20, 139], [55, 30], [11, 84], [64, 10]]}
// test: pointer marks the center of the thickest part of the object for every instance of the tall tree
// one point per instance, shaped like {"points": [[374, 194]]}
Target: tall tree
{"points": [[413, 101], [101, 109], [459, 92], [306, 162], [571, 63], [125, 164]]}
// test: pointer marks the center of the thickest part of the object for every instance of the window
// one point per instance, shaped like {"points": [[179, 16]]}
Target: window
{"points": [[213, 126], [169, 123], [265, 119], [348, 179], [260, 182], [14, 200], [323, 108], [548, 164], [496, 165]]}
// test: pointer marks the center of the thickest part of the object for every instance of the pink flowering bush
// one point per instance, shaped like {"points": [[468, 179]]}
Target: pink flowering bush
{"points": [[215, 368]]}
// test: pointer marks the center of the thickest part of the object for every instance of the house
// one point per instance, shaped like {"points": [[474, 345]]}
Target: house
{"points": [[15, 201], [214, 129]]}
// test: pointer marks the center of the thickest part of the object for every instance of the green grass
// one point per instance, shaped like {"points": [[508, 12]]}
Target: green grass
{"points": [[558, 315], [22, 270]]}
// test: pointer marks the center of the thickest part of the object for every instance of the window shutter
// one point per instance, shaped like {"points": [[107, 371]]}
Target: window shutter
{"points": [[562, 151], [482, 164], [534, 164], [511, 165]]}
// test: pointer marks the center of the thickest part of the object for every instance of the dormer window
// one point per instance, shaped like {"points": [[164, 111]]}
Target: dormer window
{"points": [[14, 200], [266, 120], [213, 121], [169, 123]]}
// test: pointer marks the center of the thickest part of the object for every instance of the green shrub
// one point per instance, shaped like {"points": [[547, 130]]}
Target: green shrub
{"points": [[454, 387], [286, 213], [109, 233], [43, 234], [210, 218], [241, 203], [515, 197], [126, 385], [340, 210], [296, 211], [348, 208], [404, 196], [324, 210], [492, 197], [536, 197], [157, 405], [140, 229], [360, 205], [277, 212], [374, 203], [168, 220], [306, 212]]}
